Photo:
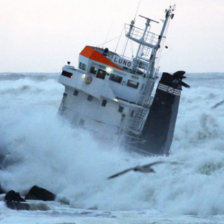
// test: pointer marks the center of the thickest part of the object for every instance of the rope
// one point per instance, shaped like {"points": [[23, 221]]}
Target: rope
{"points": [[119, 39], [139, 2], [109, 40]]}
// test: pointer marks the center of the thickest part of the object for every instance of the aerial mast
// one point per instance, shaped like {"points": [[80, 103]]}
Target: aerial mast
{"points": [[169, 15], [146, 44]]}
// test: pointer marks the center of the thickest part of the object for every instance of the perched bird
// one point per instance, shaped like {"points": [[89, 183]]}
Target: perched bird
{"points": [[144, 169]]}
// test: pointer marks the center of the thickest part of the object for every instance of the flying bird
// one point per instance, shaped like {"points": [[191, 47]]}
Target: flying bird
{"points": [[218, 104], [143, 169]]}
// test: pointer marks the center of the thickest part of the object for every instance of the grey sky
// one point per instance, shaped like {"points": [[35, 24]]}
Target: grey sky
{"points": [[41, 35]]}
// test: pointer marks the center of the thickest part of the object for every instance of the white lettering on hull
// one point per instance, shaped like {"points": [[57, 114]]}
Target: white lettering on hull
{"points": [[122, 62]]}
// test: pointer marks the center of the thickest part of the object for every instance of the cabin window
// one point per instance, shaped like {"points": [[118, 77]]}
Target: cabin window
{"points": [[132, 113], [101, 74], [120, 109], [81, 122], [133, 84], [93, 70], [115, 78], [82, 66], [104, 103], [67, 74], [76, 92], [64, 97], [89, 98]]}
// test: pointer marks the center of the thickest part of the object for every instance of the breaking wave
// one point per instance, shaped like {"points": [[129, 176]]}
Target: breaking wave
{"points": [[38, 147]]}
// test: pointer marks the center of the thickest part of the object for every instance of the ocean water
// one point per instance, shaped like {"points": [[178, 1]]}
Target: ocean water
{"points": [[42, 149]]}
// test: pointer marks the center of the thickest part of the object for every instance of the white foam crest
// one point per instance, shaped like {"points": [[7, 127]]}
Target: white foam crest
{"points": [[73, 165]]}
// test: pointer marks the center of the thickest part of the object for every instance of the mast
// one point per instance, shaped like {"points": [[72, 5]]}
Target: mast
{"points": [[146, 56], [169, 15], [148, 42]]}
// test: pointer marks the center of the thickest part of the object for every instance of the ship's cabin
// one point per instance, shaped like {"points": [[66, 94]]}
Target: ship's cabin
{"points": [[116, 72], [108, 72]]}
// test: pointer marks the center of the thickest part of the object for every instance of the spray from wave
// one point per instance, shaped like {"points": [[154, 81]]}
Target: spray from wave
{"points": [[38, 147]]}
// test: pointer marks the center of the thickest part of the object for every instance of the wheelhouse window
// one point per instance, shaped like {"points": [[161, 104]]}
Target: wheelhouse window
{"points": [[101, 74], [132, 113], [67, 74], [120, 109], [93, 70], [133, 84], [76, 92], [89, 98], [82, 66], [116, 78], [104, 103]]}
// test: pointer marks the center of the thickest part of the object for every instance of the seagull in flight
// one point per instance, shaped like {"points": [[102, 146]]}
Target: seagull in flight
{"points": [[143, 169]]}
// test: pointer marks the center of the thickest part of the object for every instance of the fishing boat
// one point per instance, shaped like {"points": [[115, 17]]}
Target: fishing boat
{"points": [[114, 97]]}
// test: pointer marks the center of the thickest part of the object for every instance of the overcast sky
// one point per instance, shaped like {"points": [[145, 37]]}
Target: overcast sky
{"points": [[41, 35]]}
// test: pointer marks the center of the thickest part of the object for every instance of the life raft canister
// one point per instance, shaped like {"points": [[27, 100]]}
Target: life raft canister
{"points": [[88, 79]]}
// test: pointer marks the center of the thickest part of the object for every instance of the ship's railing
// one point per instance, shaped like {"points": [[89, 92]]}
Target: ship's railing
{"points": [[136, 122], [137, 33]]}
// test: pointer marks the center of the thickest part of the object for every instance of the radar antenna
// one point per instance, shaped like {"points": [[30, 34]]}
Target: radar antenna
{"points": [[148, 19]]}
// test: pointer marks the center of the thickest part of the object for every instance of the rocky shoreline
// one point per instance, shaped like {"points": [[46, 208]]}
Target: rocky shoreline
{"points": [[14, 200]]}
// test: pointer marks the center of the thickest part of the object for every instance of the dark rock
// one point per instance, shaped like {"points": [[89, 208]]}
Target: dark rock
{"points": [[64, 201], [13, 196], [26, 206], [38, 193], [17, 205], [14, 201]]}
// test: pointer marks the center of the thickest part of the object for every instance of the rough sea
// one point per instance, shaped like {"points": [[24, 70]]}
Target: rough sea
{"points": [[42, 149]]}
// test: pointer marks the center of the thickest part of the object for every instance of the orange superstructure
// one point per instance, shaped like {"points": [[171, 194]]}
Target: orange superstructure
{"points": [[93, 54]]}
